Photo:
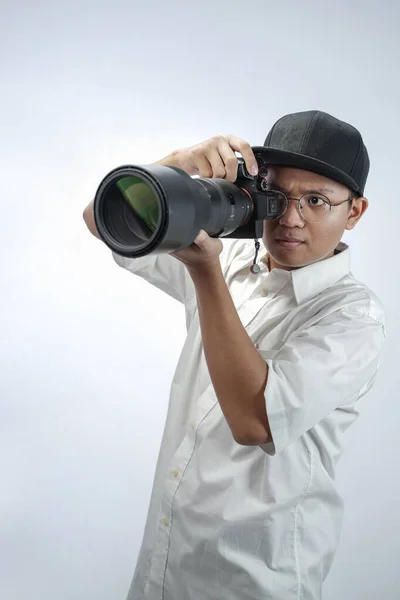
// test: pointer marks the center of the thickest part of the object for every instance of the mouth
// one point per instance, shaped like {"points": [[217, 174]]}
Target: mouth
{"points": [[289, 242]]}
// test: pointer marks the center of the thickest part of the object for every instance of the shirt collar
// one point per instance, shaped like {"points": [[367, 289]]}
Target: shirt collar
{"points": [[311, 280]]}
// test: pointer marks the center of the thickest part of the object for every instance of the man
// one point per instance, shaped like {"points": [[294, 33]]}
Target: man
{"points": [[244, 504]]}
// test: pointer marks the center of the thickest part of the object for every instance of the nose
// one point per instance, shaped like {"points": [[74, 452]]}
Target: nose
{"points": [[292, 216]]}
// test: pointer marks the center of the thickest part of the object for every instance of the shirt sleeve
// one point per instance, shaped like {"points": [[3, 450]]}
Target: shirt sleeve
{"points": [[170, 275], [163, 271], [318, 369]]}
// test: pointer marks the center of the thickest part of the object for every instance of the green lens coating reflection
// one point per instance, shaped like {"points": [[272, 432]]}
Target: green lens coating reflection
{"points": [[141, 198]]}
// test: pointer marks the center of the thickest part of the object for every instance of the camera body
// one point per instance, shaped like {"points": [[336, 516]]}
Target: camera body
{"points": [[263, 207]]}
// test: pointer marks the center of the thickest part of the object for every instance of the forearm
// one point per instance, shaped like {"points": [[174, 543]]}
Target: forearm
{"points": [[238, 372]]}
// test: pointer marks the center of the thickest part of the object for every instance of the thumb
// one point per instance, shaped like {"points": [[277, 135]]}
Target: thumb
{"points": [[201, 237]]}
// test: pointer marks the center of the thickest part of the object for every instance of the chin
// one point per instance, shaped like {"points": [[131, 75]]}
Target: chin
{"points": [[289, 258]]}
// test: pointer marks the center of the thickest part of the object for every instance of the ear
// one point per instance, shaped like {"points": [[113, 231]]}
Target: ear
{"points": [[358, 208]]}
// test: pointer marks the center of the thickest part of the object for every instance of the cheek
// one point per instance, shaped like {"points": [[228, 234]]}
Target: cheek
{"points": [[270, 226], [326, 236], [333, 226]]}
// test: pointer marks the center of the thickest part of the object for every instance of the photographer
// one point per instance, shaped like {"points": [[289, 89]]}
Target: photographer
{"points": [[275, 363]]}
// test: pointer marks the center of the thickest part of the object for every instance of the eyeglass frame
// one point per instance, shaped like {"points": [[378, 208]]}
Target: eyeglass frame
{"points": [[330, 204]]}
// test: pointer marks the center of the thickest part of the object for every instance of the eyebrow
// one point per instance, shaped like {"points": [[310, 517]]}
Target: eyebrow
{"points": [[322, 190]]}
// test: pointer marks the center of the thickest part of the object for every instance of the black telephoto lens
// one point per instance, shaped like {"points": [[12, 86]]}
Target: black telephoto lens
{"points": [[140, 210]]}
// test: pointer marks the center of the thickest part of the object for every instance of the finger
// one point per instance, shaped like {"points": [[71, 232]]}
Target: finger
{"points": [[245, 150], [216, 162], [201, 162], [230, 160], [201, 237]]}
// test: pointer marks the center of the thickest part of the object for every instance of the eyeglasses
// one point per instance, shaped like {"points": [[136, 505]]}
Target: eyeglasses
{"points": [[313, 207]]}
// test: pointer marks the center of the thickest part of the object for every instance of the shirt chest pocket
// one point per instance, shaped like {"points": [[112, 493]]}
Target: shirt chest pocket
{"points": [[270, 336]]}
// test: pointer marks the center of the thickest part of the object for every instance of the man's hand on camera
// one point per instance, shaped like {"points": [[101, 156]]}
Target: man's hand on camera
{"points": [[214, 158]]}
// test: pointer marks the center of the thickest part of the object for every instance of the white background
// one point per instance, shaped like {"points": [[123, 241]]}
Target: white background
{"points": [[88, 351]]}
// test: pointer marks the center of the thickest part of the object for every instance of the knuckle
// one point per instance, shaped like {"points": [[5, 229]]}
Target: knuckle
{"points": [[244, 145], [232, 177], [219, 173], [197, 150]]}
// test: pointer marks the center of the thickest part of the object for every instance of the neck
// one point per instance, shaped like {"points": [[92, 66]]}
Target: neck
{"points": [[267, 260]]}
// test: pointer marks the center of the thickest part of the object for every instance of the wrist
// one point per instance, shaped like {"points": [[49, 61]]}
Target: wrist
{"points": [[205, 272]]}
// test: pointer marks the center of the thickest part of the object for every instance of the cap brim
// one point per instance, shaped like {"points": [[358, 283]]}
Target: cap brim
{"points": [[283, 158]]}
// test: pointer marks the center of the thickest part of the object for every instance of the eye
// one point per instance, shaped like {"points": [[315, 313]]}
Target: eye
{"points": [[315, 201]]}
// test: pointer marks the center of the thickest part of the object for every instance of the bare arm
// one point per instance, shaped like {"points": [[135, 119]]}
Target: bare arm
{"points": [[238, 372], [88, 217]]}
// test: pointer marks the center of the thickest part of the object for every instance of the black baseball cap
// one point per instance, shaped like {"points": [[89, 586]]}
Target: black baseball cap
{"points": [[318, 142]]}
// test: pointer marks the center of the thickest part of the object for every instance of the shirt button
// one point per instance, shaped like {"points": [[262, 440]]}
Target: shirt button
{"points": [[166, 521], [175, 472], [193, 424], [264, 293]]}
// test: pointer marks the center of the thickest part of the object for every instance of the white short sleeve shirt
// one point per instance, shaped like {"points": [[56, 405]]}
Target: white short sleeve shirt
{"points": [[233, 522]]}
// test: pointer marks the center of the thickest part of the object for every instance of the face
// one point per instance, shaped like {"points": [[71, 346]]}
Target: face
{"points": [[318, 240]]}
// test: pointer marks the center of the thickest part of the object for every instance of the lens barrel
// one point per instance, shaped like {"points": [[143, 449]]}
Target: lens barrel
{"points": [[140, 210]]}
